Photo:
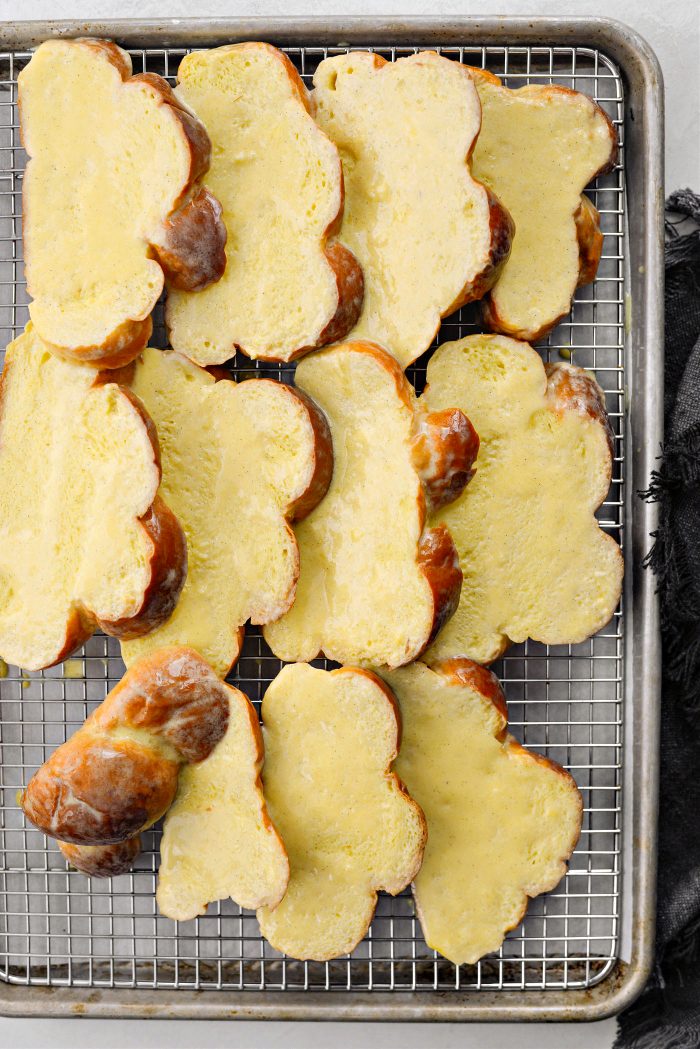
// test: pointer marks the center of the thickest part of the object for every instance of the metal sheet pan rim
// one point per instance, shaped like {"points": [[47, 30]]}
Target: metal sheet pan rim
{"points": [[645, 101]]}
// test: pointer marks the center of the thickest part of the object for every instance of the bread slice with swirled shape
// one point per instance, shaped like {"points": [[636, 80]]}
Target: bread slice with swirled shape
{"points": [[348, 824], [289, 285], [539, 146], [85, 539], [218, 840], [502, 820], [535, 561], [375, 586], [113, 201], [428, 235], [240, 461]]}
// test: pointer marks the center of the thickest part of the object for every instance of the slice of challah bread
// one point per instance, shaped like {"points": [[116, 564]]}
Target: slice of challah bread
{"points": [[374, 587], [535, 561], [346, 820], [112, 199], [286, 290], [85, 541], [538, 148], [502, 822], [428, 236], [118, 774], [218, 840], [239, 462]]}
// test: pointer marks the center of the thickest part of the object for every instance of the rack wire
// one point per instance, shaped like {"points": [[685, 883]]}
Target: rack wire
{"points": [[61, 928]]}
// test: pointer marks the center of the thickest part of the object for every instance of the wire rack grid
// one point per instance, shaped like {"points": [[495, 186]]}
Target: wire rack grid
{"points": [[60, 928]]}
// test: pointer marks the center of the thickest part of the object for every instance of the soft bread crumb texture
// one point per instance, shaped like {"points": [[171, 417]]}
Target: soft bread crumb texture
{"points": [[109, 162], [539, 146], [235, 457], [77, 471], [348, 825], [279, 180], [414, 217], [502, 822], [534, 559], [218, 840], [362, 597]]}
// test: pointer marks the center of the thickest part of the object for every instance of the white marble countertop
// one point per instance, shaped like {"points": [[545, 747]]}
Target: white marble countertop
{"points": [[673, 30]]}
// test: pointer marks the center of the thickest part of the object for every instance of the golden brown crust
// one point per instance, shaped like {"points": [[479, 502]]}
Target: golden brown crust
{"points": [[445, 448], [439, 562], [323, 460], [372, 349], [81, 625], [193, 130], [168, 560], [103, 786], [123, 345], [191, 253], [571, 389], [94, 791], [483, 74], [350, 282], [462, 671], [168, 567], [502, 230], [186, 264], [590, 241], [174, 694], [102, 861], [109, 50]]}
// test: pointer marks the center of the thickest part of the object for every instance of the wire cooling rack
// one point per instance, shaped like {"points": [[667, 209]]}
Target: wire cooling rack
{"points": [[63, 929]]}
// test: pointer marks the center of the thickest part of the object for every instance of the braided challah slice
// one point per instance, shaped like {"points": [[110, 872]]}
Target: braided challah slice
{"points": [[113, 202], [289, 285], [240, 460], [502, 821], [85, 540], [535, 561], [118, 773], [218, 840], [428, 235], [346, 820], [374, 586], [539, 146]]}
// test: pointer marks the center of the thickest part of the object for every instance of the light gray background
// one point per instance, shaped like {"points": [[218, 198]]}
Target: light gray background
{"points": [[672, 27]]}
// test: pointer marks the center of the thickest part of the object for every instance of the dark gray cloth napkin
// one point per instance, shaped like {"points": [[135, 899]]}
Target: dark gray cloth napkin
{"points": [[667, 1015]]}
